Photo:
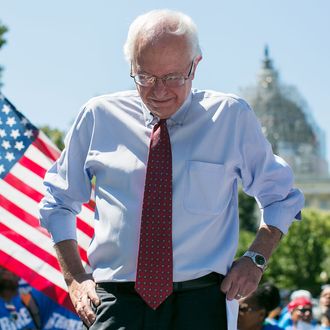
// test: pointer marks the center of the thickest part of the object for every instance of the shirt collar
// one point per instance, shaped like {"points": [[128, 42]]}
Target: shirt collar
{"points": [[176, 119]]}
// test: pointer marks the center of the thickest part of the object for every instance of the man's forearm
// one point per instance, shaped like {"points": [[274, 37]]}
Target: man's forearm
{"points": [[69, 259], [244, 276], [266, 240], [81, 285]]}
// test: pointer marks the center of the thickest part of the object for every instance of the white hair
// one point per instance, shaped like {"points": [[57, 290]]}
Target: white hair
{"points": [[156, 23], [300, 294]]}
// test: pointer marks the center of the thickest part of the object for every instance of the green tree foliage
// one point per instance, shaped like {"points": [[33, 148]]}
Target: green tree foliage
{"points": [[55, 135], [303, 254], [247, 212], [245, 239], [3, 30]]}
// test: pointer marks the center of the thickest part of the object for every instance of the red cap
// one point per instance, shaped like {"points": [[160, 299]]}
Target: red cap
{"points": [[302, 301]]}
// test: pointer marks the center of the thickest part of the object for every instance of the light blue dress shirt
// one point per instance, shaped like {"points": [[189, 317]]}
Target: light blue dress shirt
{"points": [[216, 142]]}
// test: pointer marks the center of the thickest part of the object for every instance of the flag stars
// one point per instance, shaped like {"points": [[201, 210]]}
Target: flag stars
{"points": [[28, 133], [6, 144], [24, 121], [19, 145], [6, 109], [9, 156], [11, 121], [15, 133]]}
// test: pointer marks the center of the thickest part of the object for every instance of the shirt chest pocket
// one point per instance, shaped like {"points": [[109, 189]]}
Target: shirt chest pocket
{"points": [[207, 190]]}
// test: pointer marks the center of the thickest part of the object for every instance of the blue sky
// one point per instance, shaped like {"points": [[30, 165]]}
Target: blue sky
{"points": [[61, 53]]}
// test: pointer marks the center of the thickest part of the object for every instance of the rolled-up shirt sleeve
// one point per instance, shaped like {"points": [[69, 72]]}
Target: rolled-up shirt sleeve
{"points": [[68, 182], [266, 176]]}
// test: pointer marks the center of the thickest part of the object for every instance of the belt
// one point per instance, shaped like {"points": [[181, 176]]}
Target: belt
{"points": [[198, 283]]}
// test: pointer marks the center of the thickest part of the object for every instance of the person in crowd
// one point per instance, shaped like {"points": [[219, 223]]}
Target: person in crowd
{"points": [[254, 309], [167, 160], [285, 316], [30, 309], [325, 299], [14, 315], [325, 320], [301, 294], [301, 310], [53, 316], [322, 309]]}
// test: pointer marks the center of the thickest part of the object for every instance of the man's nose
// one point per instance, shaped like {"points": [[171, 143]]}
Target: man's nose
{"points": [[159, 87]]}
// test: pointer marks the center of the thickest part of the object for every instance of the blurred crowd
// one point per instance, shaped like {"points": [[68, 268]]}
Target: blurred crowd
{"points": [[266, 310], [24, 308]]}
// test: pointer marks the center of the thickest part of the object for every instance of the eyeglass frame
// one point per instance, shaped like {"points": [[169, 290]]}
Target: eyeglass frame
{"points": [[304, 310], [164, 79]]}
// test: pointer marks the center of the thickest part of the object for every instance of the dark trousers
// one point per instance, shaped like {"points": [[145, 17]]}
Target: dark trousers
{"points": [[192, 309]]}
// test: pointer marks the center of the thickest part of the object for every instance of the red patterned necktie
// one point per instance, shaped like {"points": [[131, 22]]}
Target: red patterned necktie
{"points": [[154, 278]]}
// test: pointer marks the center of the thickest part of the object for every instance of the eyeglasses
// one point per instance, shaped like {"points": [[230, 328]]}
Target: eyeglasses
{"points": [[304, 310], [247, 309], [170, 80]]}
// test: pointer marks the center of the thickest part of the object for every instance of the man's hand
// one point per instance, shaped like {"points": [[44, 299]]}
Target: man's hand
{"points": [[244, 276], [81, 285], [242, 279], [82, 293]]}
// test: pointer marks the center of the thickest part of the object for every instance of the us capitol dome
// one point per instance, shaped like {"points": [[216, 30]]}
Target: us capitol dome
{"points": [[290, 127]]}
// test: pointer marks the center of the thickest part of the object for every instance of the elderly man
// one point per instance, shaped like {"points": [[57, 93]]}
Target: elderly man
{"points": [[167, 160]]}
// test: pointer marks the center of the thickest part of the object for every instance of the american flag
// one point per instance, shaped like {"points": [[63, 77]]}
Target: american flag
{"points": [[26, 248]]}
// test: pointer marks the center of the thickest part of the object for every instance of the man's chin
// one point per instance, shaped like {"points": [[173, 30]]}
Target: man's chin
{"points": [[162, 112]]}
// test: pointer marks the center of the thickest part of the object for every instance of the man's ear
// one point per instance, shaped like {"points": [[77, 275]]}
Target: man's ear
{"points": [[196, 61]]}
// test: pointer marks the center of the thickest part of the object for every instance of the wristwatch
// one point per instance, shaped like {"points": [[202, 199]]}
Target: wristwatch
{"points": [[258, 259]]}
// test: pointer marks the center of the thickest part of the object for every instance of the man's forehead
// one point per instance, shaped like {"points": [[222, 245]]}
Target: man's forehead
{"points": [[162, 70], [163, 62], [303, 306], [170, 46]]}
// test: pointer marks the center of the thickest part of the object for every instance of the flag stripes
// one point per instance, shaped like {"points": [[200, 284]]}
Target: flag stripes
{"points": [[28, 191], [26, 248], [28, 212], [48, 149], [15, 182], [33, 247], [42, 283], [25, 256]]}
